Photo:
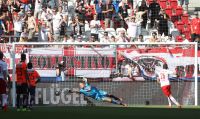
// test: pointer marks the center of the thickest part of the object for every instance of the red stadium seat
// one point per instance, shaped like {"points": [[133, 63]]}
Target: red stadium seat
{"points": [[163, 3], [25, 1], [168, 4], [173, 3], [179, 25], [102, 24], [174, 12], [185, 18], [179, 39], [168, 11], [187, 31], [149, 1], [179, 11]]}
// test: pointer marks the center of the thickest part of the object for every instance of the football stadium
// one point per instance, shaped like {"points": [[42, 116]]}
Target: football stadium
{"points": [[99, 59]]}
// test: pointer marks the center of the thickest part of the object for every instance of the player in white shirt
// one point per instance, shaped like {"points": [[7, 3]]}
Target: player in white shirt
{"points": [[3, 81], [163, 79]]}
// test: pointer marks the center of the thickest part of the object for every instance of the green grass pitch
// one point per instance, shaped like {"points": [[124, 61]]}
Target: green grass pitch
{"points": [[139, 112]]}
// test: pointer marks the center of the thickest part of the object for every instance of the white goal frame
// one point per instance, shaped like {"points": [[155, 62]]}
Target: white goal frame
{"points": [[95, 43]]}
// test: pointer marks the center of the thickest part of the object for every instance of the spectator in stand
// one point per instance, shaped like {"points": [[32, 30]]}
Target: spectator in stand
{"points": [[91, 39], [63, 26], [116, 19], [197, 39], [57, 19], [89, 5], [116, 5], [89, 15], [64, 6], [44, 14], [171, 26], [9, 25], [3, 10], [108, 13], [132, 27], [186, 3], [154, 10], [123, 13], [122, 38], [186, 30], [105, 38], [79, 39], [38, 9], [24, 36], [61, 11], [140, 39], [76, 24], [22, 12], [68, 40], [2, 28], [163, 23], [144, 9], [154, 38], [99, 9], [16, 6], [185, 40], [195, 27], [26, 4], [32, 26], [9, 6], [18, 24], [170, 39], [81, 11], [95, 26], [45, 33], [112, 39], [52, 3]]}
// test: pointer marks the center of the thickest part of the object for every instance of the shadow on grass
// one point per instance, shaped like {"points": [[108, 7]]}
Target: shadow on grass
{"points": [[103, 113]]}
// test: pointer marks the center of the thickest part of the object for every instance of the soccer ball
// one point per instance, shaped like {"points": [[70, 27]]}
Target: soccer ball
{"points": [[57, 93]]}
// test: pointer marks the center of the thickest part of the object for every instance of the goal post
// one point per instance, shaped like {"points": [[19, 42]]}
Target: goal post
{"points": [[103, 64], [196, 74]]}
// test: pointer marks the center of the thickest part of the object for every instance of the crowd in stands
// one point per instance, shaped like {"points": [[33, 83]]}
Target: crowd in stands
{"points": [[98, 21]]}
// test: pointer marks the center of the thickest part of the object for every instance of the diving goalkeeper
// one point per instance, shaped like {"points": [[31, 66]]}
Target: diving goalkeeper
{"points": [[90, 91]]}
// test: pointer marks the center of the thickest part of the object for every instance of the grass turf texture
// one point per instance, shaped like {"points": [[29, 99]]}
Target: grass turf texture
{"points": [[151, 112]]}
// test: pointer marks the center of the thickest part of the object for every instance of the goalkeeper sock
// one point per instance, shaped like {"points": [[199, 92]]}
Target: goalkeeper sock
{"points": [[113, 101], [169, 101], [173, 100], [114, 97]]}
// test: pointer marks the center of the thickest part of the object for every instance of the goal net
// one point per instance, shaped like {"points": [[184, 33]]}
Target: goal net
{"points": [[126, 70]]}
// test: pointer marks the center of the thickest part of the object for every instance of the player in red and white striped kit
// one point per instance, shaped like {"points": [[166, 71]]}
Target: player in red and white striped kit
{"points": [[163, 79]]}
